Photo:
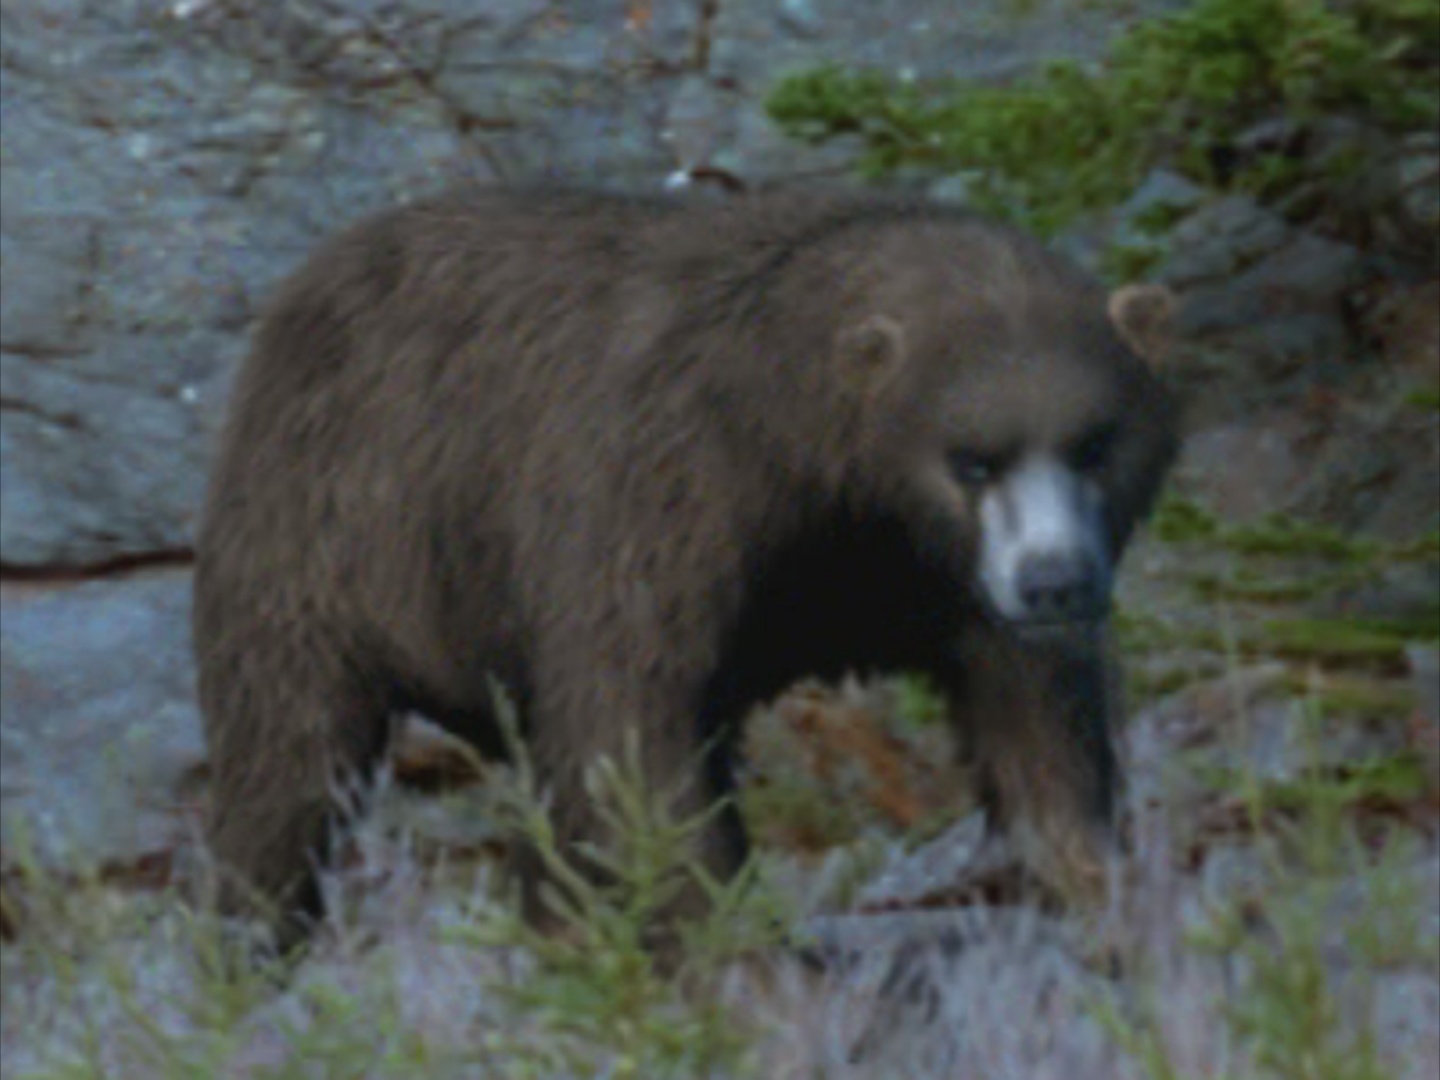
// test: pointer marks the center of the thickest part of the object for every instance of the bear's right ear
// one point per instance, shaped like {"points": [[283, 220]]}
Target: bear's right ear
{"points": [[1144, 317], [870, 353]]}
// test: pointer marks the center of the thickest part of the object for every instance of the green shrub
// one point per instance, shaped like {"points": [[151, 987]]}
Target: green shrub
{"points": [[1069, 139], [594, 990]]}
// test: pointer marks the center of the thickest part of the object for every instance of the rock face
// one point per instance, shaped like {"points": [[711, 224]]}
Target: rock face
{"points": [[156, 181], [1252, 282], [101, 738]]}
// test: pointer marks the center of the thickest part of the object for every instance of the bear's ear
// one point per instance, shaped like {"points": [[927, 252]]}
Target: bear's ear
{"points": [[1144, 317], [870, 352]]}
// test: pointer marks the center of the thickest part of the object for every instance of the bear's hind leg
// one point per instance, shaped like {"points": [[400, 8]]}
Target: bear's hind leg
{"points": [[290, 738]]}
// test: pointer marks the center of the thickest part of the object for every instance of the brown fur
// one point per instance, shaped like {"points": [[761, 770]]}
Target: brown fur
{"points": [[645, 463]]}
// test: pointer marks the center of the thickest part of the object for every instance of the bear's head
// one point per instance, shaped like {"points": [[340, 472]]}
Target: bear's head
{"points": [[1017, 412]]}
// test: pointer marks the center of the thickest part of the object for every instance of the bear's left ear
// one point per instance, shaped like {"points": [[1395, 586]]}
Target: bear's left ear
{"points": [[870, 352], [1144, 316]]}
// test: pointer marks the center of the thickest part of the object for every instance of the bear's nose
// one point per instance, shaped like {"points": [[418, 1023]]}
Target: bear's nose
{"points": [[1059, 587]]}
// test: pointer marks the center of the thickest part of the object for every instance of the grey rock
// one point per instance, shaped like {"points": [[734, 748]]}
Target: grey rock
{"points": [[955, 189], [1401, 590], [1233, 873], [1163, 189], [1203, 715], [91, 471], [1243, 470], [759, 153], [575, 97], [1418, 180], [1162, 192], [1287, 306], [46, 265], [909, 877], [1424, 661], [99, 727], [1273, 134], [800, 17], [1307, 269], [699, 119], [1089, 241], [1404, 1006], [1220, 240], [1377, 474], [673, 37], [155, 184]]}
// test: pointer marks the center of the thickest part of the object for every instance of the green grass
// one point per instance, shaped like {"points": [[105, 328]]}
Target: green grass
{"points": [[1286, 536], [1355, 696], [1144, 687], [1343, 640], [1425, 397], [920, 703], [1245, 584], [1068, 139], [1178, 520]]}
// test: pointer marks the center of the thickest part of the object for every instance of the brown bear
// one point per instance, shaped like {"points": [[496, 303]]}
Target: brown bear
{"points": [[645, 462]]}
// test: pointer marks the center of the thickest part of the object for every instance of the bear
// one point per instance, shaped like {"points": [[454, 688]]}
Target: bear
{"points": [[642, 461]]}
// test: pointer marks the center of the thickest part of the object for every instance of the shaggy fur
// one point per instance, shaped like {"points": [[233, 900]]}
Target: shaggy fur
{"points": [[645, 463]]}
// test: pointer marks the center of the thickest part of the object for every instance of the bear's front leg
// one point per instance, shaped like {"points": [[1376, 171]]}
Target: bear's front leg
{"points": [[1036, 712], [592, 703]]}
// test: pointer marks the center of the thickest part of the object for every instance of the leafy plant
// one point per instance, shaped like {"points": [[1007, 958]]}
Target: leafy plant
{"points": [[1176, 89], [594, 987]]}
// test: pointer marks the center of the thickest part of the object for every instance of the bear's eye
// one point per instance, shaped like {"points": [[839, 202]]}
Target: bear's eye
{"points": [[975, 467], [1091, 451]]}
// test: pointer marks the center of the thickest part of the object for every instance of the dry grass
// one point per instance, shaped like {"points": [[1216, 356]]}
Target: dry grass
{"points": [[1313, 956]]}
